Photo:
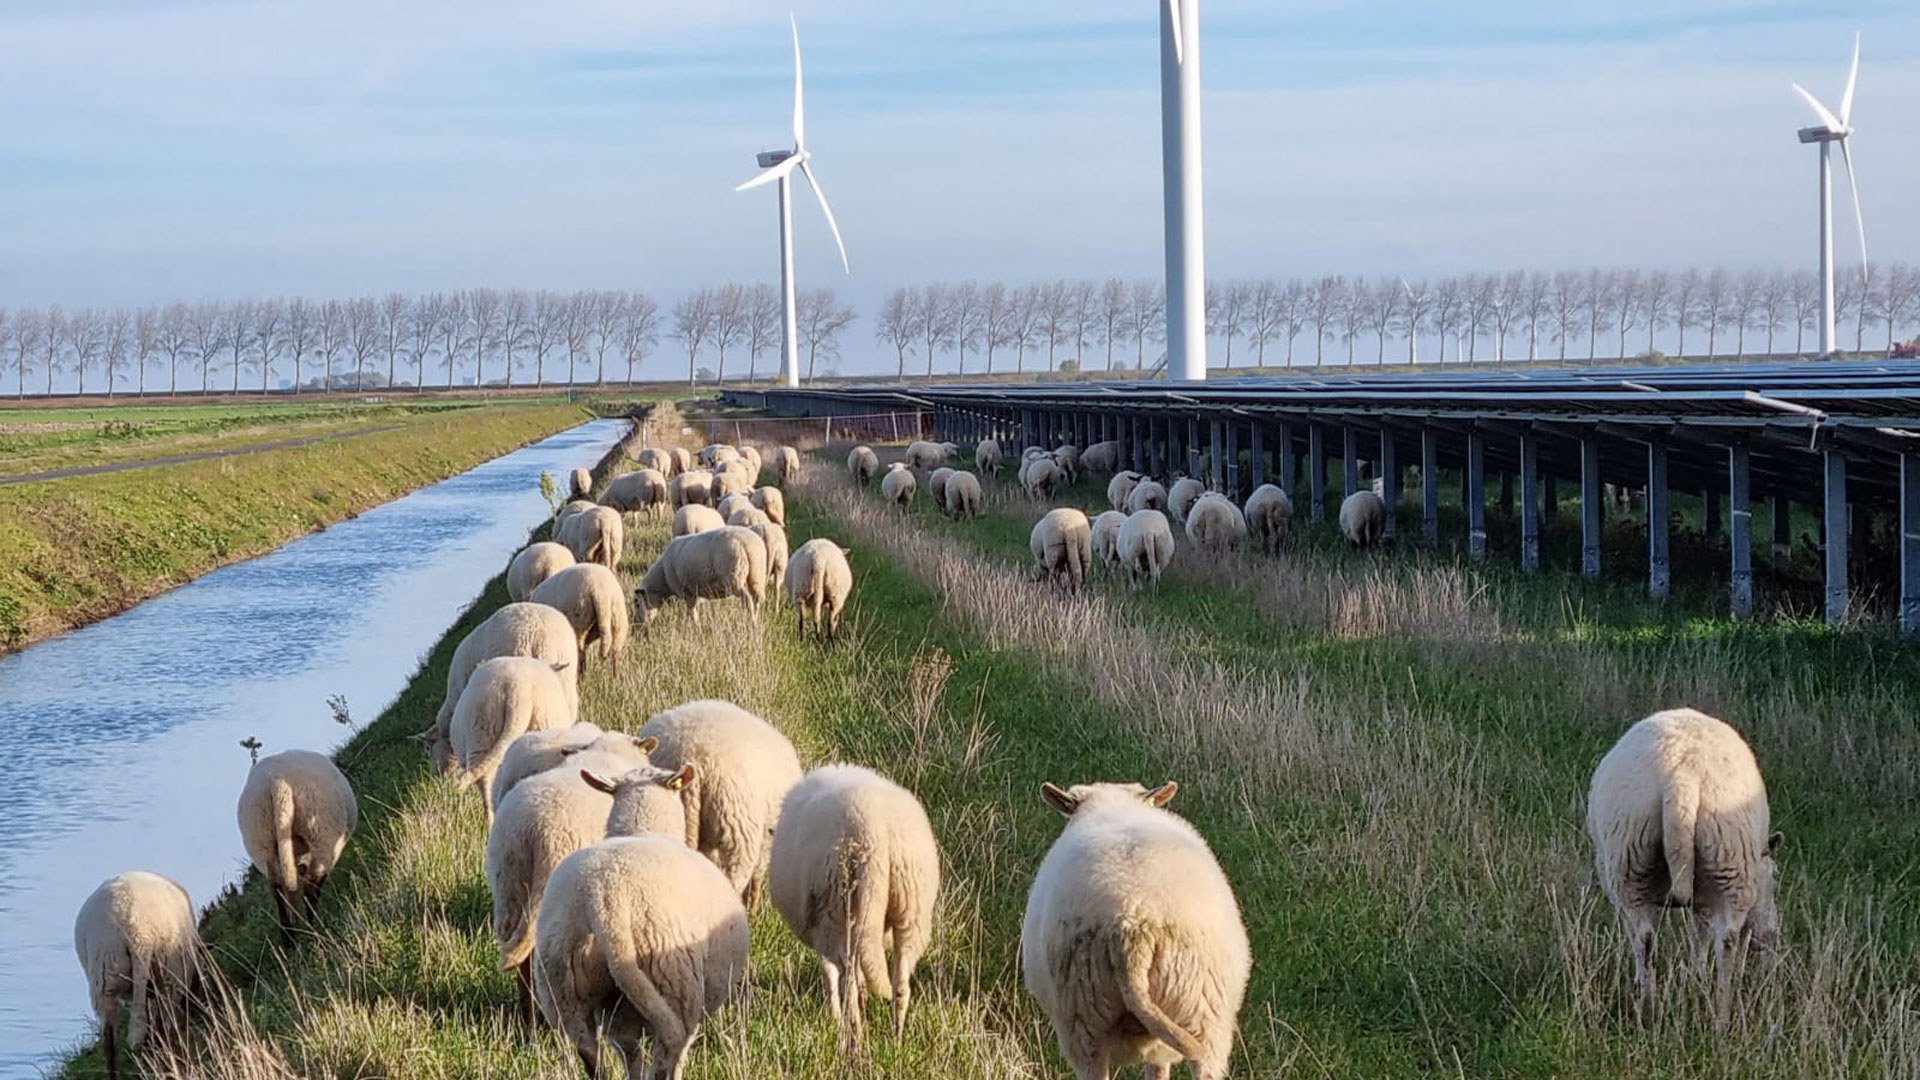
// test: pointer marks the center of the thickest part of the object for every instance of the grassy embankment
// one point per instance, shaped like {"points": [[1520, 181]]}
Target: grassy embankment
{"points": [[83, 548], [1389, 758]]}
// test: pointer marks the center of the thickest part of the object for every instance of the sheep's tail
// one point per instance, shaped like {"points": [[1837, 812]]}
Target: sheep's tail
{"points": [[645, 997], [1136, 990], [867, 919], [519, 716], [691, 798], [514, 922], [286, 868], [1679, 812]]}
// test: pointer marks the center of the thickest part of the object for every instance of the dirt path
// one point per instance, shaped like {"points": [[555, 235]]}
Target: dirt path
{"points": [[182, 459]]}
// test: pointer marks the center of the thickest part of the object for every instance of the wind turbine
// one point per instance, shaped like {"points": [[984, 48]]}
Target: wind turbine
{"points": [[1185, 204], [1834, 129], [780, 166]]}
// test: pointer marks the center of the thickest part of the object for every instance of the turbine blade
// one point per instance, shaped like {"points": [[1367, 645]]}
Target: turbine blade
{"points": [[799, 91], [770, 175], [1826, 117], [1179, 44], [807, 171], [1859, 219], [1853, 78]]}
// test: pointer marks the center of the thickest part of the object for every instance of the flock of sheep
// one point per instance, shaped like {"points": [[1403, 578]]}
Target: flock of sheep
{"points": [[622, 865]]}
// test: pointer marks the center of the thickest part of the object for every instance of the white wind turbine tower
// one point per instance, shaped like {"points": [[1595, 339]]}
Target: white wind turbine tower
{"points": [[780, 166], [1834, 129], [1180, 162]]}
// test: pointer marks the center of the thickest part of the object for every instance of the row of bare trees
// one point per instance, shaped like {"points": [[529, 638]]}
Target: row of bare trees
{"points": [[472, 337], [1062, 319], [746, 319]]}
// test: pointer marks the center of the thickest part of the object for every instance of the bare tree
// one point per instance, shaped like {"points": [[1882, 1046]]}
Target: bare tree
{"points": [[1900, 297], [116, 341], [730, 317], [1383, 308], [1323, 311], [1627, 295], [1656, 304], [450, 327], [765, 313], [53, 338], [266, 335], [423, 329], [609, 313], [1082, 298], [1536, 302], [482, 308], [692, 320], [1564, 298], [1596, 306], [932, 314], [1715, 300], [1509, 302], [1686, 305], [822, 317], [146, 341], [176, 340], [996, 317], [1265, 317], [1476, 309], [1446, 314], [516, 326], [639, 328], [1227, 316], [394, 324], [546, 330], [576, 326], [1804, 291], [29, 329], [330, 338], [1771, 310], [1850, 301], [1146, 318], [897, 326], [1411, 318], [965, 323], [85, 339], [1055, 308], [237, 338]]}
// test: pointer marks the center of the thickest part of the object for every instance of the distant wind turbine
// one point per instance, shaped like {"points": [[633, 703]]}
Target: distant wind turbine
{"points": [[1834, 129], [1185, 202], [780, 166]]}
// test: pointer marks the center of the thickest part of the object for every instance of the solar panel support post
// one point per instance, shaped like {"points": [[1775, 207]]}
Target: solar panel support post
{"points": [[1740, 531], [1589, 508], [1193, 446], [1233, 460], [1659, 524], [1529, 502], [1389, 481], [1834, 498], [1317, 473], [1349, 460], [1476, 496], [1782, 533], [1429, 487], [1257, 453], [1288, 463], [1909, 525]]}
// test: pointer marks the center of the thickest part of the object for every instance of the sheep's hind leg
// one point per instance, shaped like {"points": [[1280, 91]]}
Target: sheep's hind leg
{"points": [[283, 915], [110, 1037]]}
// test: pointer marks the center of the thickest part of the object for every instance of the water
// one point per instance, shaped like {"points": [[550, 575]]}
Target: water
{"points": [[121, 740]]}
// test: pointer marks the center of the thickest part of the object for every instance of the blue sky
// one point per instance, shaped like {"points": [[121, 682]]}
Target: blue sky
{"points": [[180, 149]]}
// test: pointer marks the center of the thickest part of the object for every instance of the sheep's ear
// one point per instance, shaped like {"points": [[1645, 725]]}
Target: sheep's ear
{"points": [[1162, 795], [560, 666], [1059, 799], [598, 782], [1773, 844], [646, 744], [425, 737], [680, 779]]}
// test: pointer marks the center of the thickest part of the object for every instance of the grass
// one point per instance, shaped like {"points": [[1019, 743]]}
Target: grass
{"points": [[1389, 757]]}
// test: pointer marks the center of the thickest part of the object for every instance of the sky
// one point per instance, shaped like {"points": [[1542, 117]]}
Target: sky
{"points": [[156, 150]]}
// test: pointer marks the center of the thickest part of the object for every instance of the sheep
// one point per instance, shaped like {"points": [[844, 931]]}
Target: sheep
{"points": [[1363, 519], [775, 538], [1032, 452], [507, 697], [1145, 546], [593, 600], [577, 506], [751, 455], [1068, 458], [640, 937], [693, 486], [733, 478], [1041, 477], [927, 455], [747, 517], [641, 490], [819, 581], [1678, 816], [1268, 514], [863, 463], [1121, 486], [1216, 525], [579, 484], [537, 751], [937, 487], [1146, 495], [772, 502], [1106, 537], [733, 502], [898, 486], [714, 455], [1101, 457], [1132, 942], [595, 536], [713, 565], [1062, 545], [658, 460], [543, 819], [534, 564], [1181, 496], [694, 518], [745, 767], [296, 812], [855, 866], [963, 495], [682, 460], [786, 464], [517, 629], [137, 942], [986, 458]]}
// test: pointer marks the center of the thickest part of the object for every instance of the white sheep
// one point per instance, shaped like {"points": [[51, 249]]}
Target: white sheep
{"points": [[772, 502], [714, 455], [775, 538], [986, 458], [898, 485], [692, 486], [734, 502], [1121, 486], [745, 769], [1181, 496], [1062, 546], [733, 478], [747, 517], [863, 463], [658, 460], [595, 603], [1041, 478], [643, 490], [1363, 519], [534, 564], [755, 463], [682, 460], [1068, 458], [819, 581], [927, 455], [577, 506], [506, 698], [1106, 537], [695, 518], [714, 565], [1145, 546], [517, 629], [963, 495], [1147, 495], [537, 751], [1678, 818], [594, 536], [580, 484], [639, 937], [1132, 942], [1101, 457], [296, 812], [137, 942], [1269, 512], [854, 868], [786, 464], [937, 487], [1216, 525]]}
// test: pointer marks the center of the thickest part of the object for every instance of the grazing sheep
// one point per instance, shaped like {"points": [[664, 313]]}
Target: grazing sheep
{"points": [[733, 478], [1121, 486], [1147, 495], [745, 769], [693, 487], [898, 485], [1032, 452], [137, 942], [1181, 496], [296, 812], [963, 495], [1678, 818], [642, 490], [713, 565], [863, 463], [1132, 941], [786, 464], [819, 581], [751, 455], [1041, 477], [775, 538], [854, 867], [682, 460], [580, 484], [733, 502], [928, 455], [1106, 537], [1145, 546], [715, 455], [1268, 514], [1101, 457], [537, 751], [534, 564], [1068, 458], [1062, 545], [747, 517], [577, 506], [1216, 525], [593, 600], [772, 502], [658, 460], [640, 937], [595, 536], [517, 629], [506, 698], [986, 458], [694, 518], [937, 487], [1363, 519]]}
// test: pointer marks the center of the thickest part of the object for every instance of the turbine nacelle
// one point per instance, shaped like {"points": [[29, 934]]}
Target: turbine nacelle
{"points": [[769, 158]]}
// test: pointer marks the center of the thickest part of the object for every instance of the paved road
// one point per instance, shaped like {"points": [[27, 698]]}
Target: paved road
{"points": [[182, 459]]}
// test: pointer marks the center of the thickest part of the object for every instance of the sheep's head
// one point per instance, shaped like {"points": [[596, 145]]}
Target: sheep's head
{"points": [[1763, 921], [645, 800], [645, 605], [1068, 800]]}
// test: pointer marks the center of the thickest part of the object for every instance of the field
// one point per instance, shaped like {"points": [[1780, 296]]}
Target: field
{"points": [[1388, 755]]}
